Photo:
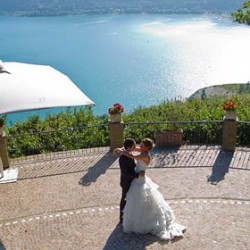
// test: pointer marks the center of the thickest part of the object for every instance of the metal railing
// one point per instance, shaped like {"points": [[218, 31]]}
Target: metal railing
{"points": [[81, 140], [243, 133], [194, 132], [58, 143]]}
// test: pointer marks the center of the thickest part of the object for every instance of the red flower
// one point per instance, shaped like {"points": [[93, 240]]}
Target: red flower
{"points": [[116, 109]]}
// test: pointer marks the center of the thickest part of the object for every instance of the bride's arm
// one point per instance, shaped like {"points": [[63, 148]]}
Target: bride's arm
{"points": [[137, 149], [142, 157]]}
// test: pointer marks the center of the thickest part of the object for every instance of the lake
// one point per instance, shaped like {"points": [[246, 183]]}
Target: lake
{"points": [[137, 60]]}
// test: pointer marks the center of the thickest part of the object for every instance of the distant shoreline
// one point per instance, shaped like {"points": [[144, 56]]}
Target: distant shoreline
{"points": [[229, 89], [52, 13], [35, 8]]}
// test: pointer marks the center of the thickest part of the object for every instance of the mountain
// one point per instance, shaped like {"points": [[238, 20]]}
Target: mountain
{"points": [[63, 7]]}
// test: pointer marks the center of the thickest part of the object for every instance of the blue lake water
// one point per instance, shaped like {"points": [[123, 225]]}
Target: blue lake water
{"points": [[131, 59]]}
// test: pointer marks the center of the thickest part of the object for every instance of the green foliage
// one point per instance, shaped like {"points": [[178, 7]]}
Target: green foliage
{"points": [[194, 110], [2, 120], [242, 15], [68, 130], [79, 128]]}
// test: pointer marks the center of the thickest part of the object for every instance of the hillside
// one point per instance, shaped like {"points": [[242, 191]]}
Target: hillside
{"points": [[62, 7], [221, 90]]}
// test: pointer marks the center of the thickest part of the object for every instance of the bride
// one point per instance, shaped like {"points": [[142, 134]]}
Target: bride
{"points": [[146, 211]]}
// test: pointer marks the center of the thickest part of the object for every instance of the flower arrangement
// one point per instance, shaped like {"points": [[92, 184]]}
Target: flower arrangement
{"points": [[116, 109], [229, 105]]}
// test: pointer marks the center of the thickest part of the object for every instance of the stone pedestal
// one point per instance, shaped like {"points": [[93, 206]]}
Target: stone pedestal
{"points": [[116, 135], [4, 152], [230, 115], [229, 134]]}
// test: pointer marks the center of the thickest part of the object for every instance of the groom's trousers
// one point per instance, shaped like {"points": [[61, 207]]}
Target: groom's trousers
{"points": [[123, 201]]}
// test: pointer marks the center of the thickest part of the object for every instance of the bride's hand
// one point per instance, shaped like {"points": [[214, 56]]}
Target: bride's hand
{"points": [[142, 173]]}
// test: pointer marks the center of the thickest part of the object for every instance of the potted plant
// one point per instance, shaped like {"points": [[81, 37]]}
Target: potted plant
{"points": [[230, 109], [115, 112], [169, 138]]}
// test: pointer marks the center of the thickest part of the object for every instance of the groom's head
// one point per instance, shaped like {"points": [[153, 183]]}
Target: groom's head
{"points": [[129, 144]]}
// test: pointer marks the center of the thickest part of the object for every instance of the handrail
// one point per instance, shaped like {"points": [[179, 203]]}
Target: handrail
{"points": [[97, 135], [173, 122], [58, 130]]}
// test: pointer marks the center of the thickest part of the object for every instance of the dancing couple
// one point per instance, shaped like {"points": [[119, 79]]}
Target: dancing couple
{"points": [[143, 209]]}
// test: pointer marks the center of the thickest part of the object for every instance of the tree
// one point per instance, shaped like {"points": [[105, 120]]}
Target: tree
{"points": [[241, 89], [242, 15], [203, 95]]}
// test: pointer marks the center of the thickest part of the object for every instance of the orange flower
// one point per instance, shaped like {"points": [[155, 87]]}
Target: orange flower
{"points": [[229, 105]]}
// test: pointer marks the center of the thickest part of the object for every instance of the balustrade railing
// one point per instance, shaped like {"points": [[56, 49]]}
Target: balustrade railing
{"points": [[194, 132], [79, 140], [243, 133], [58, 143]]}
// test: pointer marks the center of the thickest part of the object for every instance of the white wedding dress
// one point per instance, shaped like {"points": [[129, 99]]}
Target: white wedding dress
{"points": [[146, 211]]}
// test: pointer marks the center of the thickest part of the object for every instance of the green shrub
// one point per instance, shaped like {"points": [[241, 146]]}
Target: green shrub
{"points": [[79, 128]]}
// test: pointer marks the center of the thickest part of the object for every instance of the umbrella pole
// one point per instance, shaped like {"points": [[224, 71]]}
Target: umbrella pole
{"points": [[1, 168], [4, 162]]}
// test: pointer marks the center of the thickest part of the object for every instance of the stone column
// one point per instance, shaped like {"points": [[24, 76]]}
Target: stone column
{"points": [[116, 135], [229, 133], [3, 151]]}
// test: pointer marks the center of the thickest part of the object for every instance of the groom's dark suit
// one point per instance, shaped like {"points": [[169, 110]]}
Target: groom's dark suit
{"points": [[127, 167]]}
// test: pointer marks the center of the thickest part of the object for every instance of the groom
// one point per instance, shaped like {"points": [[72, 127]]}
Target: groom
{"points": [[127, 168]]}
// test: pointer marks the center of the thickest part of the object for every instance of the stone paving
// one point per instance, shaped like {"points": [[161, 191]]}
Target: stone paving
{"points": [[75, 206]]}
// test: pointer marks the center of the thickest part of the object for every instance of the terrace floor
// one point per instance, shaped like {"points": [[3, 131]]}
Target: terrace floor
{"points": [[71, 201]]}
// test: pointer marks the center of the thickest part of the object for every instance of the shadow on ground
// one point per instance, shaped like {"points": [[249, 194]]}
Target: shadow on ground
{"points": [[220, 167], [2, 246], [118, 240], [164, 157], [98, 169]]}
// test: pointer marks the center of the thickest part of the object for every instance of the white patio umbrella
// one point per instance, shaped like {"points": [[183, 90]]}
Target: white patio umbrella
{"points": [[29, 86]]}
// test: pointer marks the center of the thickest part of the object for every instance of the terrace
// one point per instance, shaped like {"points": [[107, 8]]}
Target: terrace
{"points": [[69, 199]]}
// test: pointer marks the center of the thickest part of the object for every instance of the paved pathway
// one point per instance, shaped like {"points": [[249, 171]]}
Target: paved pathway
{"points": [[47, 208]]}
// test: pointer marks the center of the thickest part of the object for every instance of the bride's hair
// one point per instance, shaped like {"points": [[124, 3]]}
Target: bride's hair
{"points": [[148, 143]]}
